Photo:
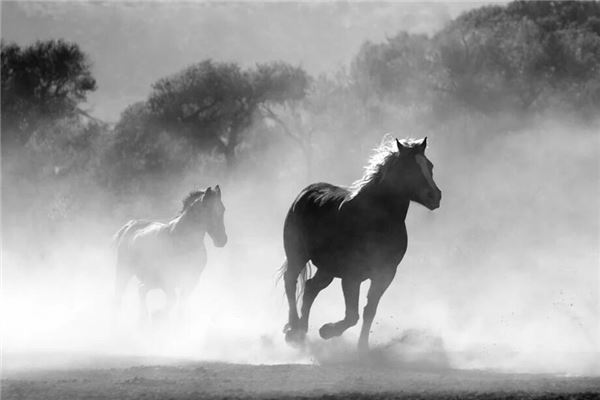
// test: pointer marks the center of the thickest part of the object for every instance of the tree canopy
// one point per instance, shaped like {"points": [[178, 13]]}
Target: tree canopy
{"points": [[210, 105], [514, 57], [45, 81], [522, 54]]}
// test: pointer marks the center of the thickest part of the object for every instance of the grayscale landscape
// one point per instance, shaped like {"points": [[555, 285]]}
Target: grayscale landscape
{"points": [[202, 123]]}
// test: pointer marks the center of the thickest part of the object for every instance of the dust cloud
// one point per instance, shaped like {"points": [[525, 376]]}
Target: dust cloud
{"points": [[503, 276]]}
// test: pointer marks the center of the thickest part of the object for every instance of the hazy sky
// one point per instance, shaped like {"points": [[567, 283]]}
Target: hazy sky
{"points": [[133, 44]]}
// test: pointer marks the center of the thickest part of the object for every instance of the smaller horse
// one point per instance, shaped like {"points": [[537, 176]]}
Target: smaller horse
{"points": [[170, 256]]}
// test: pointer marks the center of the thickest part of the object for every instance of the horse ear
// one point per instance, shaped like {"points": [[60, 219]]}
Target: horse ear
{"points": [[208, 192], [218, 191], [423, 145], [398, 145], [401, 148]]}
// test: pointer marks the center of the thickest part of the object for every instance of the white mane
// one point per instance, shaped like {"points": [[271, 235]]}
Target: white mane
{"points": [[384, 158]]}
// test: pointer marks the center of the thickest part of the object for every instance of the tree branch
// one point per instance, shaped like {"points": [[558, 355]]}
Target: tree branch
{"points": [[87, 115], [286, 130], [199, 111]]}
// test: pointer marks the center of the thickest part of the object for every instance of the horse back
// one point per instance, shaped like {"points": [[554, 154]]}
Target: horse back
{"points": [[321, 226], [130, 228], [316, 205]]}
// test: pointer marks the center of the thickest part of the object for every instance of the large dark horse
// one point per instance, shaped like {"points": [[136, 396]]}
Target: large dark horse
{"points": [[355, 234], [170, 256]]}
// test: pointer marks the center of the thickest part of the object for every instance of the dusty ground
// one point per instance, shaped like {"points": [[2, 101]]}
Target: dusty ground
{"points": [[138, 378]]}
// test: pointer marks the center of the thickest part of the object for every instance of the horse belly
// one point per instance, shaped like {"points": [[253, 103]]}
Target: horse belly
{"points": [[186, 270], [150, 269], [359, 257], [340, 259]]}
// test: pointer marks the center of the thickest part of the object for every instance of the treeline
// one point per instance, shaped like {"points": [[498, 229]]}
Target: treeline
{"points": [[219, 119]]}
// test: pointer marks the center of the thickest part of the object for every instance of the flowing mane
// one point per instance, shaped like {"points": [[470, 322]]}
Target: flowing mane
{"points": [[190, 198], [383, 159]]}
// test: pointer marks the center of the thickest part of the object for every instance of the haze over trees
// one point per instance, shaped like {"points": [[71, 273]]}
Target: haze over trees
{"points": [[206, 109], [526, 56], [223, 120]]}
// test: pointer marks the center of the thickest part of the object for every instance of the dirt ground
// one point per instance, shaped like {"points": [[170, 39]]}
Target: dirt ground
{"points": [[140, 378]]}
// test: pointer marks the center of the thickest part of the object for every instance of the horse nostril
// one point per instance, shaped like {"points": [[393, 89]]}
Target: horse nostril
{"points": [[433, 196]]}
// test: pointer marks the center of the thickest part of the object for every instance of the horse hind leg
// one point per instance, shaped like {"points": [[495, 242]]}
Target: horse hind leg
{"points": [[312, 288], [351, 289], [122, 277], [292, 268]]}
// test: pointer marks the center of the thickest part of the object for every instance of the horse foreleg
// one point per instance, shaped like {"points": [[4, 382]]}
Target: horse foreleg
{"points": [[351, 289], [142, 292], [313, 286], [170, 301], [182, 306], [378, 286]]}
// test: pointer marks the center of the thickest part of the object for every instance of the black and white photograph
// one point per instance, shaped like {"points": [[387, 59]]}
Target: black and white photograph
{"points": [[300, 199]]}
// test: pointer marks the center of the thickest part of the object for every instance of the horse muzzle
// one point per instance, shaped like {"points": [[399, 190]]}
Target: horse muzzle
{"points": [[432, 199], [220, 241]]}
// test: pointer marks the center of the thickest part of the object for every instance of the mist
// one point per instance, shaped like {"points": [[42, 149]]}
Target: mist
{"points": [[504, 273], [503, 276]]}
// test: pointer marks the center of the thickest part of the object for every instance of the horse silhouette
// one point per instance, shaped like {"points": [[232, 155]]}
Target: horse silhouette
{"points": [[355, 234]]}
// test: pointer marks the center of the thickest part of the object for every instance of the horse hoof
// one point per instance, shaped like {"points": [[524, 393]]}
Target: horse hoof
{"points": [[328, 331], [295, 336]]}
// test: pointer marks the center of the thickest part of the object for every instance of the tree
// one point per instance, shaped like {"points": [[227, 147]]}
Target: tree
{"points": [[399, 69], [524, 54], [43, 82], [141, 148], [212, 104]]}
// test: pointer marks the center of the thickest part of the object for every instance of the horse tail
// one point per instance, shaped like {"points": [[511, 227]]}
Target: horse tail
{"points": [[304, 275]]}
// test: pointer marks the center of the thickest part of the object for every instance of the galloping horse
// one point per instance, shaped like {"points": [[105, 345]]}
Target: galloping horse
{"points": [[355, 234], [170, 256]]}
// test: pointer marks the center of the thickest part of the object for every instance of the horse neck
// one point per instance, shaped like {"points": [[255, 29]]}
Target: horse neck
{"points": [[186, 225], [376, 196]]}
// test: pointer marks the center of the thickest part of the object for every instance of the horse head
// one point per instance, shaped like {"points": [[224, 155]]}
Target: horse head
{"points": [[413, 173], [214, 213]]}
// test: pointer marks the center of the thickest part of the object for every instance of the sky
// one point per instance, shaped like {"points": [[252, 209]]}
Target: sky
{"points": [[132, 45]]}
